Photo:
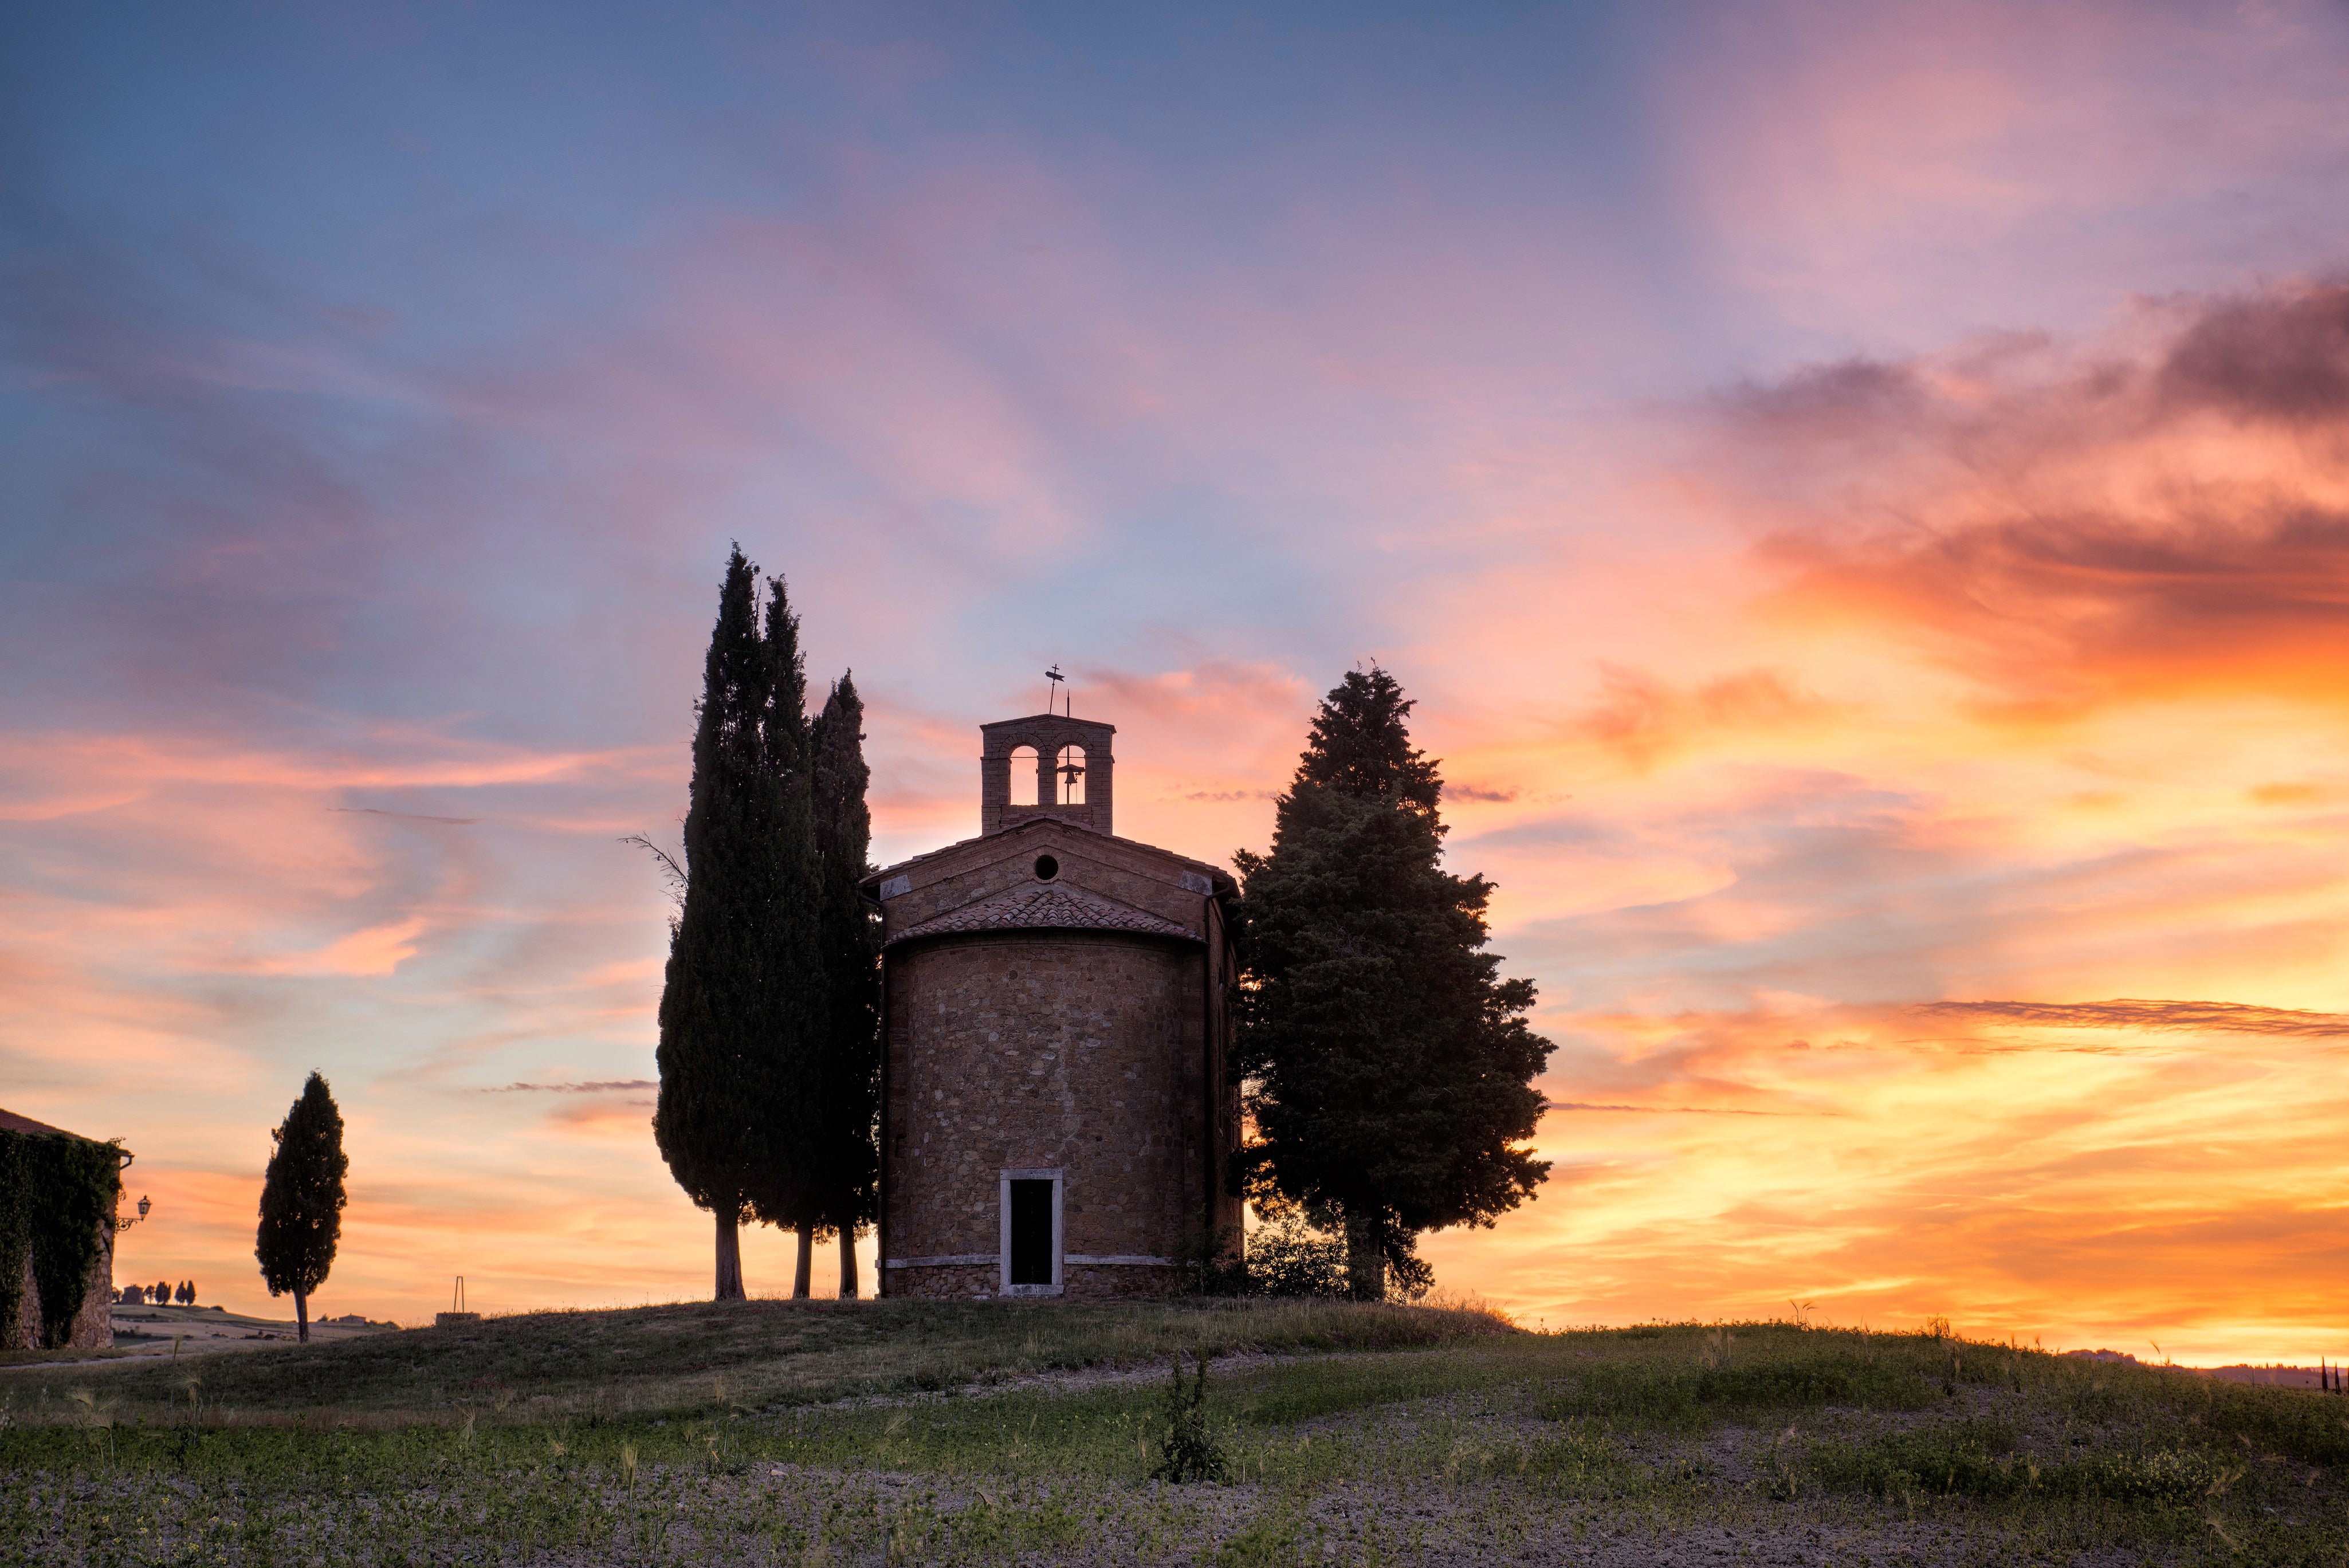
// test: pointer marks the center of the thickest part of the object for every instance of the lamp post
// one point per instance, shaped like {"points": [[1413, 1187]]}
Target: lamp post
{"points": [[144, 1204]]}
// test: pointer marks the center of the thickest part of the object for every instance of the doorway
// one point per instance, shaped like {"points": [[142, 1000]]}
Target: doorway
{"points": [[1031, 1232]]}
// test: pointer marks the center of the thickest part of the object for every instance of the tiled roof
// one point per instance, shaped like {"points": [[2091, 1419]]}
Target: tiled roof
{"points": [[10, 1122], [1047, 908]]}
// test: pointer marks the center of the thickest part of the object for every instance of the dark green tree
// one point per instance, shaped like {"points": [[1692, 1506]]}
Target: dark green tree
{"points": [[790, 1190], [1390, 1067], [742, 1005], [850, 933], [301, 1201]]}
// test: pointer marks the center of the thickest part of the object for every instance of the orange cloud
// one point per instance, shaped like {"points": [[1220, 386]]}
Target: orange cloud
{"points": [[1644, 719], [2070, 531]]}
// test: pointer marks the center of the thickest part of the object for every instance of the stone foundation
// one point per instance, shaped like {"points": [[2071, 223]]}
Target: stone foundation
{"points": [[945, 1281], [1078, 1281], [1084, 1282]]}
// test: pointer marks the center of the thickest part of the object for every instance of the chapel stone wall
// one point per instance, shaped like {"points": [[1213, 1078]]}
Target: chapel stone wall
{"points": [[1078, 1051]]}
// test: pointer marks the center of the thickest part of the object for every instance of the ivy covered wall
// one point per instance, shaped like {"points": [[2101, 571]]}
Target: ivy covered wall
{"points": [[58, 1194]]}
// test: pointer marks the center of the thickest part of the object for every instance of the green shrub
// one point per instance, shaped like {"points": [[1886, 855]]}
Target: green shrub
{"points": [[2295, 1422], [1978, 1460], [1268, 1542], [1289, 1257], [1831, 1376], [1965, 1459], [1764, 1372]]}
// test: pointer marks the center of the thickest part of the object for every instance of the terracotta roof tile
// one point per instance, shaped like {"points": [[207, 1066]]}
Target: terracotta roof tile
{"points": [[10, 1122], [1047, 908]]}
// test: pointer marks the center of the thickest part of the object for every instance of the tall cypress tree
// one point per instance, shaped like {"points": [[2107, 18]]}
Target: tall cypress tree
{"points": [[1392, 1066], [851, 938], [301, 1201], [790, 1189], [742, 963]]}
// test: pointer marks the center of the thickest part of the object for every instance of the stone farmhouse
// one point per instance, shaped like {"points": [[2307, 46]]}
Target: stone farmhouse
{"points": [[92, 1324], [1057, 1112]]}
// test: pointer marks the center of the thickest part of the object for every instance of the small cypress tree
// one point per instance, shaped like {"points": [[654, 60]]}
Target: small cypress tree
{"points": [[1391, 1068], [851, 939], [734, 1037], [301, 1201]]}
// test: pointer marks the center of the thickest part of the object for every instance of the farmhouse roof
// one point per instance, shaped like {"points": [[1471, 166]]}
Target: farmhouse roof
{"points": [[10, 1122]]}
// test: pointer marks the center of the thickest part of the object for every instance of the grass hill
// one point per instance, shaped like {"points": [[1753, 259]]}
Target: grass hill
{"points": [[992, 1432]]}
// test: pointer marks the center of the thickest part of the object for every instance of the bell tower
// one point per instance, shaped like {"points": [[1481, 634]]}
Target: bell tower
{"points": [[1072, 765]]}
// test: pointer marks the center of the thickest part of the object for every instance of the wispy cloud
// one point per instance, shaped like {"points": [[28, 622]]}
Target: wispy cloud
{"points": [[1669, 1110], [2169, 1017]]}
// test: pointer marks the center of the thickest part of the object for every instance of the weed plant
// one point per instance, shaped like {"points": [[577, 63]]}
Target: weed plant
{"points": [[1187, 1450]]}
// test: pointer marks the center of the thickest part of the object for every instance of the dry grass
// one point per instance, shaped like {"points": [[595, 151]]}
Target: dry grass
{"points": [[784, 1434], [688, 1357]]}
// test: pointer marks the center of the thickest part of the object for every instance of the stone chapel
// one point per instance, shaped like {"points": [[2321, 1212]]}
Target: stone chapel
{"points": [[1057, 1115]]}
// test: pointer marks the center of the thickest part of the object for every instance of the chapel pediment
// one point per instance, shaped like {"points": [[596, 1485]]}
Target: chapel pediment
{"points": [[1046, 907]]}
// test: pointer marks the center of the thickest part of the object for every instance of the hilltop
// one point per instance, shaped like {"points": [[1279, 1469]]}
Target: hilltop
{"points": [[773, 1432]]}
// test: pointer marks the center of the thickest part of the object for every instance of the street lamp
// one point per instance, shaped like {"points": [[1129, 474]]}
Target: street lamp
{"points": [[144, 1204]]}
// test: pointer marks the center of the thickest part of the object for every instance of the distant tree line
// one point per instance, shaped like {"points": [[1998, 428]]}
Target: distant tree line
{"points": [[769, 1054], [163, 1293]]}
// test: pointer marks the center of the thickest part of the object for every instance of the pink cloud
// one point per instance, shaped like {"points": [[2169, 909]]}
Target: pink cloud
{"points": [[1874, 175], [377, 950]]}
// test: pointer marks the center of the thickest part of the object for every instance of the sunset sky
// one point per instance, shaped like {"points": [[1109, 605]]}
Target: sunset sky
{"points": [[1860, 494]]}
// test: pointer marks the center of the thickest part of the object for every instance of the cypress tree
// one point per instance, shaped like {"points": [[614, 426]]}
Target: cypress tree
{"points": [[791, 1188], [742, 963], [1390, 1065], [301, 1201], [851, 938]]}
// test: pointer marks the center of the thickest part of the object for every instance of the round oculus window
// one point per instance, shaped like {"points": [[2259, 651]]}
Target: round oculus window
{"points": [[1047, 868]]}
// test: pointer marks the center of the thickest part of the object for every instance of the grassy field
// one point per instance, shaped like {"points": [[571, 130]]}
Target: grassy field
{"points": [[935, 1432]]}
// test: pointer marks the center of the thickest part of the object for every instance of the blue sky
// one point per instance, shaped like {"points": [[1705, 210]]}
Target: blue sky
{"points": [[1768, 439]]}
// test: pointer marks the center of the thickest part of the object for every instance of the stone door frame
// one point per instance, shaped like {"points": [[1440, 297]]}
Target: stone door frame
{"points": [[1055, 1174]]}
